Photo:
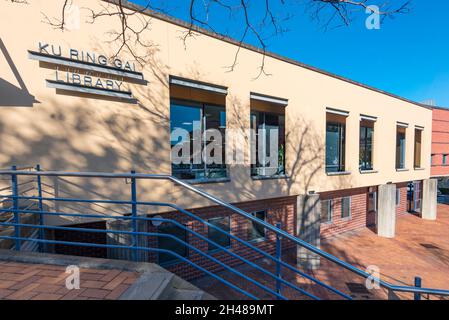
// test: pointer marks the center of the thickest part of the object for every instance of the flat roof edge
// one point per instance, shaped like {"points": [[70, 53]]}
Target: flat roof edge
{"points": [[164, 17]]}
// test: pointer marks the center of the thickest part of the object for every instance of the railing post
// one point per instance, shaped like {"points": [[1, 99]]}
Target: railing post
{"points": [[418, 285], [135, 237], [42, 247], [278, 258], [15, 207]]}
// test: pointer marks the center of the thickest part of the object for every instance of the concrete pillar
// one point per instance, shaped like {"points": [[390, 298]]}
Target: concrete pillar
{"points": [[429, 199], [126, 240], [386, 211], [308, 229]]}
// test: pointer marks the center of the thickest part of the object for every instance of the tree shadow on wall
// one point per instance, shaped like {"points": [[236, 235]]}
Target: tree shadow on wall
{"points": [[10, 95]]}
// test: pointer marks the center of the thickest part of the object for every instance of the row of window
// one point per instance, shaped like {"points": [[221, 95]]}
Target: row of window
{"points": [[186, 115], [199, 117], [336, 144], [444, 160], [327, 206], [255, 232]]}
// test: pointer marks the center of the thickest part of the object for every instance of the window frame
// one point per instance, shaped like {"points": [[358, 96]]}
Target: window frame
{"points": [[264, 237], [330, 213], [402, 155], [186, 248], [341, 166], [375, 201], [209, 250], [364, 126], [201, 106], [417, 156], [444, 161], [349, 206], [255, 163]]}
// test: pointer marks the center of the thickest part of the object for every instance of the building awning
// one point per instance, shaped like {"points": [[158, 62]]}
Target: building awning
{"points": [[271, 99], [198, 85]]}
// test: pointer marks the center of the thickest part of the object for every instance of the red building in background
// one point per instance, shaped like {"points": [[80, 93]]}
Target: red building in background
{"points": [[440, 143]]}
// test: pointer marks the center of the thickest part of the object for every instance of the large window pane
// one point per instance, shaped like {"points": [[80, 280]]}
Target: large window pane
{"points": [[335, 147], [418, 136], [224, 223], [366, 146], [264, 125], [256, 231], [326, 211], [400, 148], [171, 244], [192, 116], [346, 207]]}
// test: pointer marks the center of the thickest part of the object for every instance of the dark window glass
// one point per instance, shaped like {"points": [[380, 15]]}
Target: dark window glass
{"points": [[216, 236], [266, 122], [256, 231], [418, 136], [400, 148], [372, 201], [201, 117], [432, 159], [335, 147], [445, 159], [171, 244], [366, 147], [326, 211], [346, 207]]}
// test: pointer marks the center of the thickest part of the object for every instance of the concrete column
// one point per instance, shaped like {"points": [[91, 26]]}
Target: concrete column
{"points": [[308, 229], [125, 240], [386, 211], [429, 199]]}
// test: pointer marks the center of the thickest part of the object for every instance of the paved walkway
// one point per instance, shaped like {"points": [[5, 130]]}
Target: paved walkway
{"points": [[420, 248], [25, 281]]}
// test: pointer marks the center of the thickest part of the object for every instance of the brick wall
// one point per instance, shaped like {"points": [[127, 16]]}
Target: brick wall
{"points": [[440, 141], [359, 217], [279, 210], [78, 236], [402, 208]]}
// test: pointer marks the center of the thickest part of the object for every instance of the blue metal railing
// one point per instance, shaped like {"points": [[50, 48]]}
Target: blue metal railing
{"points": [[276, 291]]}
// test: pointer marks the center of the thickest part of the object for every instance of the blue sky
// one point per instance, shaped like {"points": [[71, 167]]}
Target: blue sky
{"points": [[408, 56]]}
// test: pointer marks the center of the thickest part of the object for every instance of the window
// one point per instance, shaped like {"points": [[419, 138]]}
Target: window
{"points": [[326, 211], [335, 145], [171, 244], [432, 159], [398, 197], [418, 137], [224, 223], [346, 207], [196, 118], [372, 201], [264, 125], [445, 159], [256, 231], [400, 148], [366, 145]]}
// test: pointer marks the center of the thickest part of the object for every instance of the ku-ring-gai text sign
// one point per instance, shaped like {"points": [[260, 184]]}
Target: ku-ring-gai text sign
{"points": [[85, 72]]}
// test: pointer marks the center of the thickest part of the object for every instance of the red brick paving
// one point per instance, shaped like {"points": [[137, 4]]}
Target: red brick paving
{"points": [[399, 260], [22, 281]]}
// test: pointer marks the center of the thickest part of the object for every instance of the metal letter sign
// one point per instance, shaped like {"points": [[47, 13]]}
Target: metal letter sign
{"points": [[87, 73]]}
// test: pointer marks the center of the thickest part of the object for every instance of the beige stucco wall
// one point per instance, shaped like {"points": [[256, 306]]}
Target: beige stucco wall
{"points": [[78, 134]]}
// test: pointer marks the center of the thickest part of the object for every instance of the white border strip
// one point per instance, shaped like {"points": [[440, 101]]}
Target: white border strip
{"points": [[74, 64], [196, 85], [261, 97], [367, 118], [337, 112], [67, 87], [402, 124]]}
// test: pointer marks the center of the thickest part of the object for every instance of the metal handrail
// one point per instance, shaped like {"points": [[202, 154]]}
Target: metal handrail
{"points": [[266, 225]]}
